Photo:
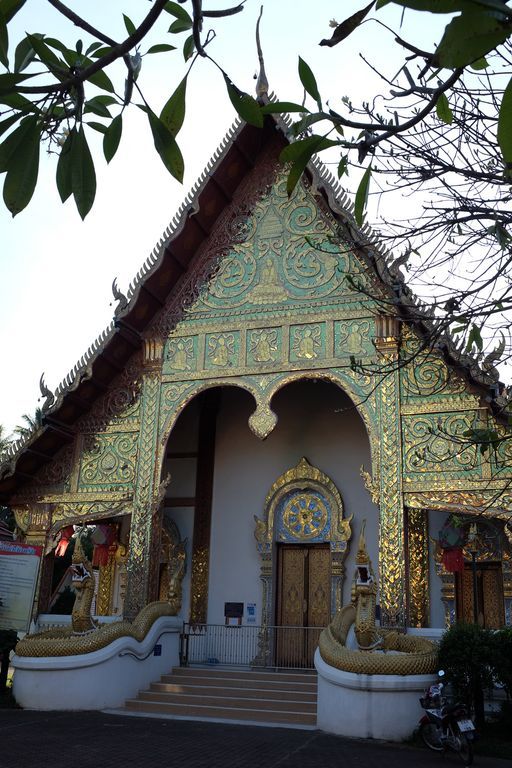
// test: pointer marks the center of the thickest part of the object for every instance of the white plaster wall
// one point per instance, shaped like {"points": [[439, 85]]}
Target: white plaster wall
{"points": [[315, 420], [104, 678], [435, 523]]}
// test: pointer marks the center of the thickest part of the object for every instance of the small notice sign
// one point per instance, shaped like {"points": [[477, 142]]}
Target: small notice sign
{"points": [[19, 566]]}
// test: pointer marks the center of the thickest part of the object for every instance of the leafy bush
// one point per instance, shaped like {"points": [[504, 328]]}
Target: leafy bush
{"points": [[466, 653], [501, 658]]}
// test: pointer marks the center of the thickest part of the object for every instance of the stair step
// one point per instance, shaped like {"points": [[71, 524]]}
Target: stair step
{"points": [[243, 674], [229, 680], [239, 691], [227, 713], [279, 698], [285, 705]]}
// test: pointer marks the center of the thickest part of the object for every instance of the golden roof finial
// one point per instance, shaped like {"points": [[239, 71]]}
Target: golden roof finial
{"points": [[262, 82]]}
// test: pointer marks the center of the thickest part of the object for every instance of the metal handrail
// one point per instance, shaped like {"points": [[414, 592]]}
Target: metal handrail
{"points": [[275, 647]]}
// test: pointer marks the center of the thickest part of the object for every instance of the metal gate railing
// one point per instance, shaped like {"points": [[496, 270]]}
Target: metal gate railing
{"points": [[254, 646]]}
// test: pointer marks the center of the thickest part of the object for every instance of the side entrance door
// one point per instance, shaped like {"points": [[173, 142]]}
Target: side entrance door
{"points": [[489, 589], [303, 601]]}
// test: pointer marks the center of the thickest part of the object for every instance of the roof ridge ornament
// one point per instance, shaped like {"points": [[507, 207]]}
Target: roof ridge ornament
{"points": [[122, 301], [262, 82], [45, 392]]}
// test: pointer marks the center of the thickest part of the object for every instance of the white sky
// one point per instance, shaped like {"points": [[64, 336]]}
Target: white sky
{"points": [[56, 271]]}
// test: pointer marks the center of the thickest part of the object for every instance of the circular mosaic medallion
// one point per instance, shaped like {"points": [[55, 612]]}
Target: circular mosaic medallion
{"points": [[305, 515]]}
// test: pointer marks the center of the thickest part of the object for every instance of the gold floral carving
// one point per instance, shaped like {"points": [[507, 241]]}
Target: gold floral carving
{"points": [[391, 538], [419, 577], [142, 519], [371, 485], [262, 421]]}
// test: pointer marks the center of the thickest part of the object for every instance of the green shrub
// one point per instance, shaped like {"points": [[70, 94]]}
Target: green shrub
{"points": [[501, 658], [466, 654]]}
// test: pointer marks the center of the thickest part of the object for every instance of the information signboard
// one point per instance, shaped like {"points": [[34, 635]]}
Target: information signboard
{"points": [[19, 566]]}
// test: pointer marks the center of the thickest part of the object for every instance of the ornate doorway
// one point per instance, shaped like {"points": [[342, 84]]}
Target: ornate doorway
{"points": [[489, 589], [303, 521], [303, 600]]}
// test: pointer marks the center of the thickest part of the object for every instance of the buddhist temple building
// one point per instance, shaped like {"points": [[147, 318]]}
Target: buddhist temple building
{"points": [[266, 385]]}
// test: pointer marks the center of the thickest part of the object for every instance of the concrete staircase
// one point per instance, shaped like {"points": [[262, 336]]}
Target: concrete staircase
{"points": [[278, 698]]}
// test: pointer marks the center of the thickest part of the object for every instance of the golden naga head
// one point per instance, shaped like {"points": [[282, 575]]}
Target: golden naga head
{"points": [[81, 569]]}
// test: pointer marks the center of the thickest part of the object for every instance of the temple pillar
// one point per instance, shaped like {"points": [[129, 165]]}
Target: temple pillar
{"points": [[146, 486], [391, 529], [418, 571], [203, 507]]}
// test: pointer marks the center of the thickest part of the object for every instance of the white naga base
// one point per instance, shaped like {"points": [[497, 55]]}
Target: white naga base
{"points": [[369, 706], [101, 679]]}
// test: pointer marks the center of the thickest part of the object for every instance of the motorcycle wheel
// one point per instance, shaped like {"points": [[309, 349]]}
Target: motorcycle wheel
{"points": [[431, 735], [465, 748]]}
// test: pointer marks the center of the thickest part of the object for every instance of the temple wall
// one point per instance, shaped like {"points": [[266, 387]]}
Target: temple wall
{"points": [[311, 424]]}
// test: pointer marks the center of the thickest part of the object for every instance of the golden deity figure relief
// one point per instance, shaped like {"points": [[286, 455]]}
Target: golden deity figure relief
{"points": [[352, 338], [263, 346], [270, 289], [181, 354], [307, 342], [220, 349]]}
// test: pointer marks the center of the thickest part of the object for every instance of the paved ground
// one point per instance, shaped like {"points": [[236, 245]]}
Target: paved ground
{"points": [[95, 740]]}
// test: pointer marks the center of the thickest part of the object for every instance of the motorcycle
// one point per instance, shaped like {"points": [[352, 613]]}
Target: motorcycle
{"points": [[446, 724]]}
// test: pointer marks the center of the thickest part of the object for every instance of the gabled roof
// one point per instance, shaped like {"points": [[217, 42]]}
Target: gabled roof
{"points": [[161, 272]]}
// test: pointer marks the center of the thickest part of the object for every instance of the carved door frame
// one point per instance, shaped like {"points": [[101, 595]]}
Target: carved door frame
{"points": [[320, 520]]}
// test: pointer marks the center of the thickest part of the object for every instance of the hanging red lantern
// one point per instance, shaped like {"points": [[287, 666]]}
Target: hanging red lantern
{"points": [[66, 535], [453, 559]]}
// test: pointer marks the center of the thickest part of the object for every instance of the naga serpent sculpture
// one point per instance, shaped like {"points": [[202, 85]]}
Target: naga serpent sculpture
{"points": [[379, 651], [85, 636]]}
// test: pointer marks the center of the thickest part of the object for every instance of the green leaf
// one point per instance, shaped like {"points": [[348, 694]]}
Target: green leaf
{"points": [[443, 110], [23, 55], [112, 138], [474, 337], [4, 41], [99, 52], [17, 101], [362, 196], [54, 43], [309, 145], [11, 7], [9, 81], [247, 107], [96, 107], [479, 64], [173, 113], [161, 48], [505, 127], [189, 47], [343, 167], [178, 11], [307, 121], [180, 25], [470, 36], [83, 175], [346, 27], [444, 6], [130, 26], [281, 107], [299, 154], [101, 80], [8, 122], [15, 142], [64, 168], [308, 80], [97, 126], [92, 48], [166, 146], [21, 179], [47, 56]]}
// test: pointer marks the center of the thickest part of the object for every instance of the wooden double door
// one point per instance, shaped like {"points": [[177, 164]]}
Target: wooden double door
{"points": [[303, 605], [489, 589]]}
